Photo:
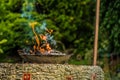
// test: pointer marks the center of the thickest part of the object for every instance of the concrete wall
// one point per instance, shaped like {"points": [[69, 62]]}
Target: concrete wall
{"points": [[9, 71]]}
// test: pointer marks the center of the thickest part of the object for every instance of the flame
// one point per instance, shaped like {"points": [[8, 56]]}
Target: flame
{"points": [[36, 36], [43, 37], [42, 50], [34, 48], [40, 47], [48, 47], [49, 31]]}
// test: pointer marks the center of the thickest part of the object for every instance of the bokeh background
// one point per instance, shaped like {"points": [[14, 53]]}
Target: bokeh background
{"points": [[73, 24]]}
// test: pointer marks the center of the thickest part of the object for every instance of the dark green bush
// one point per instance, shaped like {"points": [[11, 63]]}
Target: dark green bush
{"points": [[70, 19]]}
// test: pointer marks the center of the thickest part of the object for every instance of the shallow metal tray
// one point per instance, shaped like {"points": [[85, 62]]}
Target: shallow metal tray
{"points": [[44, 58]]}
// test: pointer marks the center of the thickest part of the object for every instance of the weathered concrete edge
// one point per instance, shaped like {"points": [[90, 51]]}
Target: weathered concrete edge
{"points": [[12, 71]]}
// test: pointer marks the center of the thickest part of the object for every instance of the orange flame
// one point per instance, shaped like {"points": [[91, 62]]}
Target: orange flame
{"points": [[48, 47], [49, 31], [43, 37], [35, 48], [42, 50], [43, 47], [36, 36]]}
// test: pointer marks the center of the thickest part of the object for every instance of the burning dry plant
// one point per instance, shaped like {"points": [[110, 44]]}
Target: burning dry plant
{"points": [[41, 40]]}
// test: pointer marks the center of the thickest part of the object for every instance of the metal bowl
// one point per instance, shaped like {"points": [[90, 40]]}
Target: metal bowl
{"points": [[58, 59]]}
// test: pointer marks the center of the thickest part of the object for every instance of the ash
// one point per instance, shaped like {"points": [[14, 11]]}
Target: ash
{"points": [[51, 52]]}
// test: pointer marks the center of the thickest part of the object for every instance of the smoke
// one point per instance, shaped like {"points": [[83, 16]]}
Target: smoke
{"points": [[27, 9], [40, 28]]}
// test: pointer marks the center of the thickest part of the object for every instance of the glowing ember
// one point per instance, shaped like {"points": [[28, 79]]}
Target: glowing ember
{"points": [[39, 46]]}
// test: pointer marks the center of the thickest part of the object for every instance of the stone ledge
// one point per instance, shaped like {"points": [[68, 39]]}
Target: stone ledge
{"points": [[10, 71]]}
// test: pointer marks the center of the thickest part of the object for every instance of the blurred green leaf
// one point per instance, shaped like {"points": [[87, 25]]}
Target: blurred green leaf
{"points": [[1, 51], [3, 41]]}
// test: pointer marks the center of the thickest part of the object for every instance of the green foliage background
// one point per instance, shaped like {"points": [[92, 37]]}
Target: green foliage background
{"points": [[71, 21], [73, 24]]}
